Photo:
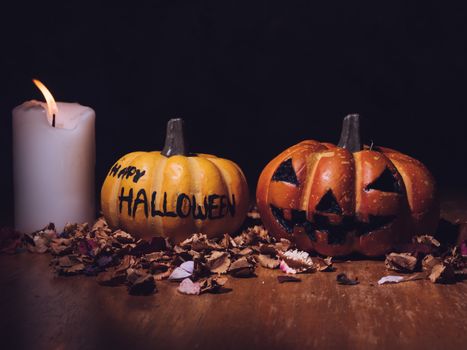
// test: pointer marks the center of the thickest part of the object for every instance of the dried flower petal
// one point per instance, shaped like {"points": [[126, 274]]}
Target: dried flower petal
{"points": [[428, 240], [123, 237], [283, 245], [401, 262], [442, 273], [268, 262], [218, 262], [343, 279], [185, 270], [189, 287], [287, 278], [199, 242], [429, 262], [242, 268], [162, 275], [390, 279], [212, 284], [299, 261], [143, 285], [111, 278], [227, 242], [286, 268], [325, 265]]}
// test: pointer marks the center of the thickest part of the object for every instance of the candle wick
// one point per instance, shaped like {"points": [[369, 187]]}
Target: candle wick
{"points": [[53, 120]]}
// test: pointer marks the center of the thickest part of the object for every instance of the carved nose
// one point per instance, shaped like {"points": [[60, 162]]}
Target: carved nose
{"points": [[329, 204]]}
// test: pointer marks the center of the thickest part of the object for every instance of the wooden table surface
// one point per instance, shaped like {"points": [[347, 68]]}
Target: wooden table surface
{"points": [[39, 310]]}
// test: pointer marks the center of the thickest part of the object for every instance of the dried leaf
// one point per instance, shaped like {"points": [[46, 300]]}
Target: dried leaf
{"points": [[127, 262], [158, 267], [100, 224], [40, 245], [111, 277], [286, 268], [283, 245], [251, 236], [201, 270], [162, 275], [242, 268], [199, 242], [401, 262], [324, 265], [245, 251], [143, 247], [427, 240], [297, 261], [287, 278], [212, 284], [268, 262], [268, 249], [429, 262], [61, 246], [155, 256], [218, 262], [343, 279], [123, 237], [227, 242], [442, 273], [143, 285]]}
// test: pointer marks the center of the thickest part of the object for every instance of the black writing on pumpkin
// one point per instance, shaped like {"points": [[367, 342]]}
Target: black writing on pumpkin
{"points": [[336, 233], [127, 172], [212, 207]]}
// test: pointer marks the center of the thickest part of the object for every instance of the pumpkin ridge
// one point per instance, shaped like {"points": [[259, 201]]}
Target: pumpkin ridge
{"points": [[358, 180], [223, 183], [225, 176], [402, 184], [156, 186], [156, 159], [140, 161], [313, 161], [194, 169]]}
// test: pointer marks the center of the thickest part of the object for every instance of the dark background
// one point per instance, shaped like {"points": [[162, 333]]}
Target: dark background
{"points": [[250, 78]]}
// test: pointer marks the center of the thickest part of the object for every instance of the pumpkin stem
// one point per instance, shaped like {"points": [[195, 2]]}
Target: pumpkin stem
{"points": [[350, 135], [174, 138]]}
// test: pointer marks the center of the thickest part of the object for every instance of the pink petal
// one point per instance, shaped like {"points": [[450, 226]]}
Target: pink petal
{"points": [[188, 287]]}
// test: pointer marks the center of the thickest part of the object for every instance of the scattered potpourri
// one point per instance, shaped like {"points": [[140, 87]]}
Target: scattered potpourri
{"points": [[427, 259], [199, 265]]}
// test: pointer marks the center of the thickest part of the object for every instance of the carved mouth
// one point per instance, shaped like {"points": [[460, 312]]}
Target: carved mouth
{"points": [[336, 233]]}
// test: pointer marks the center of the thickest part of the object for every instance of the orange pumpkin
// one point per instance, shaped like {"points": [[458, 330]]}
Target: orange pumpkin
{"points": [[173, 193], [337, 200]]}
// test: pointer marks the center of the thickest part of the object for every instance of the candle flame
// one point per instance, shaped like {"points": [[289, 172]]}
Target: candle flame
{"points": [[52, 108]]}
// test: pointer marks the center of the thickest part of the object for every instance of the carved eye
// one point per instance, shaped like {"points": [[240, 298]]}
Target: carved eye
{"points": [[386, 182], [286, 173], [328, 204]]}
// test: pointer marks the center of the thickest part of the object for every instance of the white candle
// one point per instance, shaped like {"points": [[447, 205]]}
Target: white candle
{"points": [[53, 166]]}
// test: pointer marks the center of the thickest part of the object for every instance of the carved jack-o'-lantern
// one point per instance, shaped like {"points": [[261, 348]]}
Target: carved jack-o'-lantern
{"points": [[341, 199], [173, 193]]}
